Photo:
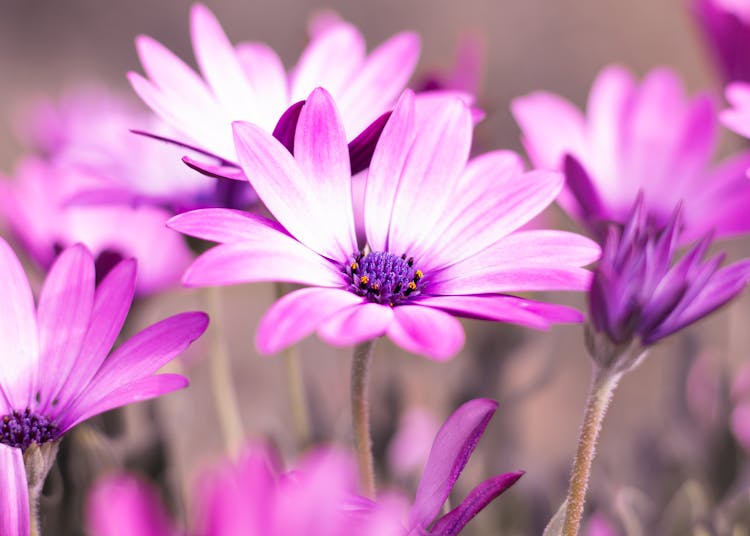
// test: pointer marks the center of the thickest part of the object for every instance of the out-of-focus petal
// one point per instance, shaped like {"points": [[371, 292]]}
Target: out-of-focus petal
{"points": [[14, 499]]}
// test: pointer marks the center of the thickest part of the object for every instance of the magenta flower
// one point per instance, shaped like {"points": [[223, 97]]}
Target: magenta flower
{"points": [[726, 29], [36, 206], [248, 82], [737, 118], [318, 497], [440, 238], [641, 292], [55, 373], [634, 138], [124, 505]]}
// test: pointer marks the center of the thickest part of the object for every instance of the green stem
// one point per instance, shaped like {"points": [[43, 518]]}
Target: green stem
{"points": [[295, 381], [602, 388], [361, 416], [225, 395]]}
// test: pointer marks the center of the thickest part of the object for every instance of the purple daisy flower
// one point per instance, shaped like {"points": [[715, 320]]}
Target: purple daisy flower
{"points": [[55, 372], [726, 28], [248, 82], [440, 234], [641, 293], [637, 137]]}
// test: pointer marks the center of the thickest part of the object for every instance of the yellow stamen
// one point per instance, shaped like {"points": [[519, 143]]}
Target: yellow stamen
{"points": [[364, 280], [418, 275], [412, 285]]}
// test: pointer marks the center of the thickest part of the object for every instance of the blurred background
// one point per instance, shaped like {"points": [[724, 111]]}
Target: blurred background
{"points": [[666, 450]]}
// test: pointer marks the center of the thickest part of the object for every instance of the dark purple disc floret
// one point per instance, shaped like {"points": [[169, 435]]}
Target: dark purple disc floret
{"points": [[20, 429]]}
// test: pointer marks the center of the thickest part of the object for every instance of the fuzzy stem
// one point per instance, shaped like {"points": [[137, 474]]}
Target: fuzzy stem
{"points": [[225, 395], [295, 381], [602, 388], [361, 417]]}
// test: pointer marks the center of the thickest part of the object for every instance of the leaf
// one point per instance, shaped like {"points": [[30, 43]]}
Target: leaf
{"points": [[555, 525]]}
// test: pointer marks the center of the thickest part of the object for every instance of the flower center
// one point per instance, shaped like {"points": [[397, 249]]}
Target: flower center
{"points": [[383, 277], [22, 428]]}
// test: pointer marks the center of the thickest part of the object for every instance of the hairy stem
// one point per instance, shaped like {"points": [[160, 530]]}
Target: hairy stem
{"points": [[225, 395], [361, 416], [602, 388]]}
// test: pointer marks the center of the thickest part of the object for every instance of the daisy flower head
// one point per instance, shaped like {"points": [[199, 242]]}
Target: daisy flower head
{"points": [[55, 372], [248, 82], [441, 233], [637, 137]]}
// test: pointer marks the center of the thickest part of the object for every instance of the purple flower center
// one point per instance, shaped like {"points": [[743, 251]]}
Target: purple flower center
{"points": [[22, 428], [384, 277]]}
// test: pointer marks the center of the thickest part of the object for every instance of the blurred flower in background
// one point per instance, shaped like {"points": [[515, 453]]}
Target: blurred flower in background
{"points": [[726, 29], [638, 137]]}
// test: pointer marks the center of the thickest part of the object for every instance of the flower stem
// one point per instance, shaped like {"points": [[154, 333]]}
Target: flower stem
{"points": [[361, 416], [225, 395], [295, 382], [37, 460], [602, 388]]}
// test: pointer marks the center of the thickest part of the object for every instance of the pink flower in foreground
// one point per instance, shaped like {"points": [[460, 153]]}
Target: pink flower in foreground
{"points": [[36, 206], [317, 498], [440, 234], [124, 505], [248, 82], [55, 372], [637, 137]]}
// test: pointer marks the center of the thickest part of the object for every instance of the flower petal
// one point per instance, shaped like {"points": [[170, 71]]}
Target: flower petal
{"points": [[19, 353], [65, 306], [298, 314], [111, 305], [290, 196], [387, 164], [280, 259], [383, 76], [454, 521], [414, 330], [122, 504], [529, 313], [451, 450], [356, 324], [266, 74], [220, 65], [14, 500], [428, 179], [130, 393], [224, 225], [322, 153], [329, 61]]}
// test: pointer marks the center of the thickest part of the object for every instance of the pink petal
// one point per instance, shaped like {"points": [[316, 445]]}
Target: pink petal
{"points": [[526, 260], [532, 314], [220, 65], [415, 327], [121, 504], [329, 61], [266, 74], [379, 82], [451, 450], [172, 76], [215, 171], [225, 225], [496, 204], [279, 259], [65, 307], [138, 358], [387, 164], [19, 353], [14, 500], [551, 127], [322, 153], [130, 393], [290, 196], [436, 159], [111, 305], [298, 314], [356, 324]]}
